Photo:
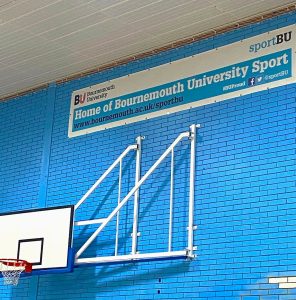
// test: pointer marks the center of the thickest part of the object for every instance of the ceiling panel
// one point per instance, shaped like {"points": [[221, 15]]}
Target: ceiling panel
{"points": [[59, 55], [105, 4], [107, 45], [76, 25], [42, 14], [46, 40], [183, 21], [18, 45], [156, 15], [96, 34], [7, 28], [255, 8], [202, 25], [28, 50], [11, 76], [22, 8], [14, 38], [61, 19], [6, 4], [229, 5], [129, 6]]}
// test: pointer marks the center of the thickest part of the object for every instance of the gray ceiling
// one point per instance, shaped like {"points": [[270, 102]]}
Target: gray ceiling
{"points": [[45, 40]]}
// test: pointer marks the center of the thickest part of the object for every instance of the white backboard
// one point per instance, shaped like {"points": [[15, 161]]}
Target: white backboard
{"points": [[42, 237]]}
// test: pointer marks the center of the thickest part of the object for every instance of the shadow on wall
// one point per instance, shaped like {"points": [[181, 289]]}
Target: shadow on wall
{"points": [[123, 281]]}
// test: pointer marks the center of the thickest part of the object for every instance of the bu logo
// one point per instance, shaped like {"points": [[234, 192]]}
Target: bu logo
{"points": [[285, 37], [278, 39], [79, 99]]}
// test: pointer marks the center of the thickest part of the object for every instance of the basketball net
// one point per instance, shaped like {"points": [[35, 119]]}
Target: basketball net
{"points": [[11, 270]]}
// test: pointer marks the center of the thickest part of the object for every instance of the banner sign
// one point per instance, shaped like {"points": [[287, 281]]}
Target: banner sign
{"points": [[254, 64]]}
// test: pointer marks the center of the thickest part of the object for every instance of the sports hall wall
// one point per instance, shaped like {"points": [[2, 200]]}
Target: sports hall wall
{"points": [[245, 205]]}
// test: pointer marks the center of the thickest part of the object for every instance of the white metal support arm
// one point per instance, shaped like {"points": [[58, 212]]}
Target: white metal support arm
{"points": [[188, 252], [98, 182]]}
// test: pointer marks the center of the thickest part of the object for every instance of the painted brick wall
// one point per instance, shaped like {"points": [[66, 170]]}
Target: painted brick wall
{"points": [[21, 137], [245, 189], [21, 156]]}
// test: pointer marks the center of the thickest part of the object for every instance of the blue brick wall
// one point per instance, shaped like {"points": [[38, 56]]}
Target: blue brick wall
{"points": [[245, 189], [21, 155], [21, 138]]}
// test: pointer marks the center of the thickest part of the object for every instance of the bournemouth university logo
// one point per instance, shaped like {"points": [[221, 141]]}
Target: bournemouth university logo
{"points": [[79, 99], [278, 39]]}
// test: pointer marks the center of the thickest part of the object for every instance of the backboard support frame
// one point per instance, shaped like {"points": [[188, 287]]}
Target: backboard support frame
{"points": [[188, 252]]}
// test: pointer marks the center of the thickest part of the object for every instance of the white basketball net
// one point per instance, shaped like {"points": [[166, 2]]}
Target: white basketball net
{"points": [[11, 274]]}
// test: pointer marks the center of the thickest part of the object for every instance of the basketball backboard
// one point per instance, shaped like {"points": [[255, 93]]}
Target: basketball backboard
{"points": [[42, 237]]}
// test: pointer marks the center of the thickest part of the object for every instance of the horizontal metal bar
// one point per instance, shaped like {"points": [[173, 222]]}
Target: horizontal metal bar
{"points": [[133, 190], [131, 257], [89, 222], [115, 163]]}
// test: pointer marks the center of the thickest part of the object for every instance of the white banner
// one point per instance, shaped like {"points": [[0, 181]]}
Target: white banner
{"points": [[254, 64]]}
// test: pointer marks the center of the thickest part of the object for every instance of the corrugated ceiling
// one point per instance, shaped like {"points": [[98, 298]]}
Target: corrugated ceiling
{"points": [[45, 40]]}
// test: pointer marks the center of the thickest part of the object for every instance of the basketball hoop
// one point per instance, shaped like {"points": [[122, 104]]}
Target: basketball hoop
{"points": [[11, 269]]}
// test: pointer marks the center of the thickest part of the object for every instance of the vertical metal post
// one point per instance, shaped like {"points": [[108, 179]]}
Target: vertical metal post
{"points": [[191, 189], [118, 201], [171, 202], [136, 196]]}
